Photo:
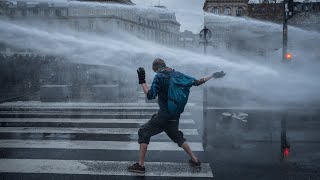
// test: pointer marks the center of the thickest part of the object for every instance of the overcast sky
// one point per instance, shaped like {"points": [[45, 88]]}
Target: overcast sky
{"points": [[189, 12]]}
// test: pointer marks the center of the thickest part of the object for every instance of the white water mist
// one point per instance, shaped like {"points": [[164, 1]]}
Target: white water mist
{"points": [[283, 83]]}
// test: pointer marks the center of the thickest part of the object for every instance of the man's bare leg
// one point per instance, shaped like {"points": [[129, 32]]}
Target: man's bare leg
{"points": [[143, 150], [187, 148]]}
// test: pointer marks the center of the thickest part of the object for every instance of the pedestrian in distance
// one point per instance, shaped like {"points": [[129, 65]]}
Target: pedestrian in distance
{"points": [[172, 88]]}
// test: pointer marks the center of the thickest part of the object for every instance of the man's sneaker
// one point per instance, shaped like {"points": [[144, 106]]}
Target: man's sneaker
{"points": [[194, 164], [137, 168]]}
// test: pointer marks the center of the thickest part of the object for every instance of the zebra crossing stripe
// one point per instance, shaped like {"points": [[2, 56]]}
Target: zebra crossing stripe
{"points": [[102, 145], [75, 104], [112, 168], [83, 113], [76, 120], [79, 104], [67, 130]]}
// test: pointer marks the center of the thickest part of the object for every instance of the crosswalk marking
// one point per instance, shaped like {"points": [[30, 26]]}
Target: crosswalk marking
{"points": [[103, 145], [74, 104], [87, 128], [117, 168], [68, 130], [83, 113], [74, 120], [79, 104], [79, 114], [84, 107]]}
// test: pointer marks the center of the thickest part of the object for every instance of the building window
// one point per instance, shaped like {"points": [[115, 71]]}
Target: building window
{"points": [[42, 13], [58, 12], [91, 24], [29, 12], [227, 11], [35, 12], [215, 10], [24, 13], [91, 11], [51, 12], [63, 12], [239, 11]]}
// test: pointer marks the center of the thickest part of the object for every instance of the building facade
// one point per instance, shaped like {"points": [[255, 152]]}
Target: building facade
{"points": [[158, 25], [128, 2], [306, 15], [226, 7], [189, 40], [221, 28]]}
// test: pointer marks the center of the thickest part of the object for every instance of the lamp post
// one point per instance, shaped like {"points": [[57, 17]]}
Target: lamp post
{"points": [[205, 35], [287, 14]]}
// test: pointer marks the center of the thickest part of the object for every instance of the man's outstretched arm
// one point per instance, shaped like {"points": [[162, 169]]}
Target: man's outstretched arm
{"points": [[202, 81], [215, 75]]}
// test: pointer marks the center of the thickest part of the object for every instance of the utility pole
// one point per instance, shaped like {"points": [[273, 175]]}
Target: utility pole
{"points": [[287, 14], [285, 31]]}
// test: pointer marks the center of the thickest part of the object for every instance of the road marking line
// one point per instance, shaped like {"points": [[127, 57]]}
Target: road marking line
{"points": [[68, 130], [103, 145], [83, 113], [75, 120], [86, 104]]}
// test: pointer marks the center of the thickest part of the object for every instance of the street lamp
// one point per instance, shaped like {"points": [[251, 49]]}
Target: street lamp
{"points": [[205, 34]]}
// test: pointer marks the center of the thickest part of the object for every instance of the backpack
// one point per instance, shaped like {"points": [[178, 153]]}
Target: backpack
{"points": [[178, 92]]}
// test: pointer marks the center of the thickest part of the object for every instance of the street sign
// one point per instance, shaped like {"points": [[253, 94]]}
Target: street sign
{"points": [[205, 34]]}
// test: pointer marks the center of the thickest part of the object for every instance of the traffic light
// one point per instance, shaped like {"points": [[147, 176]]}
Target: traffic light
{"points": [[288, 56], [285, 150]]}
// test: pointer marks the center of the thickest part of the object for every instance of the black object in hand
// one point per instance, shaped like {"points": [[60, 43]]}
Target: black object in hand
{"points": [[220, 74], [141, 75]]}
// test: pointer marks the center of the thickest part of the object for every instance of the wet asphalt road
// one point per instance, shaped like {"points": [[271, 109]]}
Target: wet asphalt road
{"points": [[253, 150], [232, 151]]}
